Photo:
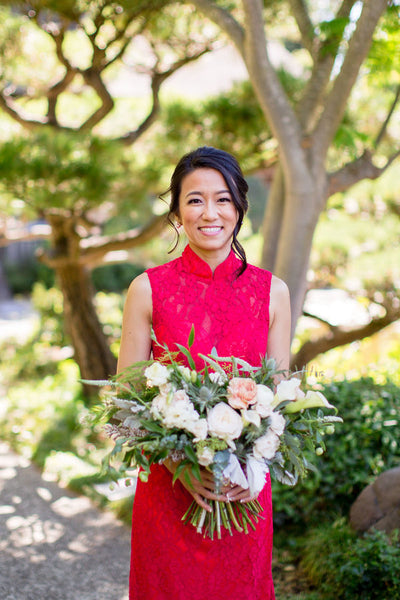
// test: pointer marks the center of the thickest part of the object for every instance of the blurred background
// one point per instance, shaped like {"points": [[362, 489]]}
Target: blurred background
{"points": [[98, 101]]}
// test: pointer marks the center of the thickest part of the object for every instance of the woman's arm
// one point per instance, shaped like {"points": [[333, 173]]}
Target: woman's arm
{"points": [[136, 323], [279, 326]]}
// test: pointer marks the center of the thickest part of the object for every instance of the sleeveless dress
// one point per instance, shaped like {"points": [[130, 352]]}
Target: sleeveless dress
{"points": [[169, 559]]}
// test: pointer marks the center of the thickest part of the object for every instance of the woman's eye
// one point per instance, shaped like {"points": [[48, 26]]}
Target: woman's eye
{"points": [[224, 199], [194, 201]]}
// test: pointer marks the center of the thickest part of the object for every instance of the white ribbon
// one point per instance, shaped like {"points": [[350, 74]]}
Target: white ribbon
{"points": [[256, 472], [234, 472]]}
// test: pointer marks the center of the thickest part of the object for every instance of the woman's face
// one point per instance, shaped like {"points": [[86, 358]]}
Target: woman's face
{"points": [[207, 213]]}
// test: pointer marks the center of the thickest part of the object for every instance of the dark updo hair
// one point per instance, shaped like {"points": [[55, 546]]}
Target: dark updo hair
{"points": [[208, 157]]}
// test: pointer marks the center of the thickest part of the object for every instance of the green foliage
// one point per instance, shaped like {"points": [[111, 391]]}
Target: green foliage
{"points": [[116, 277], [64, 170], [232, 121], [364, 445], [22, 275], [345, 567]]}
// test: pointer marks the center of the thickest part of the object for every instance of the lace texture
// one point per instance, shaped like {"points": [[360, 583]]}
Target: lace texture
{"points": [[170, 559]]}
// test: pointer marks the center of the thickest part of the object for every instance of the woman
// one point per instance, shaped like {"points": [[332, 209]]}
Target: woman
{"points": [[240, 310]]}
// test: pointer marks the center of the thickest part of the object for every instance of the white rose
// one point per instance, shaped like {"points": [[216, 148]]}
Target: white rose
{"points": [[266, 446], [288, 389], [265, 399], [277, 423], [251, 416], [224, 422], [205, 456], [156, 374], [199, 428]]}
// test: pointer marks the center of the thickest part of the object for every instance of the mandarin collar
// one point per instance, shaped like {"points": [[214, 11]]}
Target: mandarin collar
{"points": [[196, 265]]}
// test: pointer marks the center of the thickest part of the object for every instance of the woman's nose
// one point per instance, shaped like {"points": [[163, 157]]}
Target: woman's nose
{"points": [[210, 210]]}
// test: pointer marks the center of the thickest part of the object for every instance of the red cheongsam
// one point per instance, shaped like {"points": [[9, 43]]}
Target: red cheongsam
{"points": [[169, 559]]}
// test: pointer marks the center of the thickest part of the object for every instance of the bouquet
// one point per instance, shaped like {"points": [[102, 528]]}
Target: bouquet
{"points": [[229, 418]]}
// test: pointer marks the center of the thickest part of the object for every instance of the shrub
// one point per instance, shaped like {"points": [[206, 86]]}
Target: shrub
{"points": [[23, 274], [114, 277], [363, 446], [344, 567]]}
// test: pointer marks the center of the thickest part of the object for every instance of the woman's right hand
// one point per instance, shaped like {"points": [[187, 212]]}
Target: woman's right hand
{"points": [[201, 491]]}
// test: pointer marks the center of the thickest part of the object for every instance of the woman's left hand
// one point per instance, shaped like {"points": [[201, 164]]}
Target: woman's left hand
{"points": [[235, 493]]}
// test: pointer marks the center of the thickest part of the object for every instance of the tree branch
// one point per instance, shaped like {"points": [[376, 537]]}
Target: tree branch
{"points": [[157, 79], [336, 101], [94, 248], [355, 171], [338, 336], [385, 124], [53, 94], [19, 115], [94, 80], [36, 233], [304, 23], [317, 85], [272, 97], [223, 19]]}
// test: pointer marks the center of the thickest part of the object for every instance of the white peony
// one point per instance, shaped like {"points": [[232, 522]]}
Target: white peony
{"points": [[277, 423], [265, 399], [266, 446], [224, 422], [180, 411], [205, 456], [158, 406], [156, 374]]}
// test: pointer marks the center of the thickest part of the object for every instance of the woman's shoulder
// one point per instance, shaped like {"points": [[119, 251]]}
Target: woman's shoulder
{"points": [[140, 288], [279, 287], [279, 297]]}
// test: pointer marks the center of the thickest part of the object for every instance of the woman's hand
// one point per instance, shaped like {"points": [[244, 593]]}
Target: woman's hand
{"points": [[201, 491], [204, 490], [235, 493]]}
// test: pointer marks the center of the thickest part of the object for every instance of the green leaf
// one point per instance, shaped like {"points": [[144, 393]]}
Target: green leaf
{"points": [[178, 471], [190, 453], [189, 357], [191, 337]]}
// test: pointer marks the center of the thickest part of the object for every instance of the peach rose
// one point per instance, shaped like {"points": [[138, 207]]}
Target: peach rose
{"points": [[242, 391]]}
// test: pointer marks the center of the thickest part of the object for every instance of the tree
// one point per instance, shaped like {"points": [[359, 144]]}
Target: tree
{"points": [[337, 48], [59, 168]]}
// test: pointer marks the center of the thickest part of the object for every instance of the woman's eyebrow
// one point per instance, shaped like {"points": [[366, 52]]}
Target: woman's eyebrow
{"points": [[194, 192]]}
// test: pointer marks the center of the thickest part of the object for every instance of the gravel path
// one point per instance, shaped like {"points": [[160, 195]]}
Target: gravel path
{"points": [[55, 545]]}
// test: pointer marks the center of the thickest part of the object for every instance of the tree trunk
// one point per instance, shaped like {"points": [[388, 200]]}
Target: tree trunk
{"points": [[288, 228], [92, 352], [272, 221]]}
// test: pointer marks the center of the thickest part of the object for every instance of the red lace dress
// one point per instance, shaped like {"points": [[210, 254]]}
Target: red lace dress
{"points": [[170, 560]]}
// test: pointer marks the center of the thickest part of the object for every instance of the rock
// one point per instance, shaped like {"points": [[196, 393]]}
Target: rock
{"points": [[378, 505]]}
